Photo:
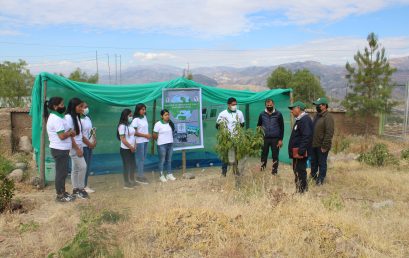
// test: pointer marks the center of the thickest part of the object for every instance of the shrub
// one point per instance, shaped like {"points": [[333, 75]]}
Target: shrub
{"points": [[378, 156], [405, 154], [6, 192], [341, 144], [5, 166]]}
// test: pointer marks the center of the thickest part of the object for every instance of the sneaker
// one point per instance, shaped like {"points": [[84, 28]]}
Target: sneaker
{"points": [[72, 196], [133, 183], [82, 194], [89, 190], [65, 197], [163, 179], [141, 180], [128, 186], [170, 177]]}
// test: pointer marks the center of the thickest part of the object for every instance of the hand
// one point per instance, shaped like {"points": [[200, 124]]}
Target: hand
{"points": [[72, 133], [133, 149], [323, 150], [280, 144], [148, 136], [80, 153]]}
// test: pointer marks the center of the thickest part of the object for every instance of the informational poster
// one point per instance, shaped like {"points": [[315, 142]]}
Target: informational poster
{"points": [[185, 108]]}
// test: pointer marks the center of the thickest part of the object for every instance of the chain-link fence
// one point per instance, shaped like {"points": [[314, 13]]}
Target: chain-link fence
{"points": [[396, 124]]}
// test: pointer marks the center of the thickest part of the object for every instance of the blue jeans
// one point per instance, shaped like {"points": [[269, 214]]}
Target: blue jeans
{"points": [[141, 152], [319, 162], [165, 152], [88, 158]]}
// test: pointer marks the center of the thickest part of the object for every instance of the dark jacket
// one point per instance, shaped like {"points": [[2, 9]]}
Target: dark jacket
{"points": [[273, 124], [323, 131], [301, 136]]}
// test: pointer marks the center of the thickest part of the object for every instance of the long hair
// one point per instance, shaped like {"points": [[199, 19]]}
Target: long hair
{"points": [[49, 104], [138, 108], [171, 124], [123, 120], [72, 105]]}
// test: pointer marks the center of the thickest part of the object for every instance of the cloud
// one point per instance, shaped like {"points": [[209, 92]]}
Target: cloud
{"points": [[202, 18], [153, 56], [7, 32]]}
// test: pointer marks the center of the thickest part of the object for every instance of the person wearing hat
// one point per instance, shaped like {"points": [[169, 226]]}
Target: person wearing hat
{"points": [[323, 125], [299, 144]]}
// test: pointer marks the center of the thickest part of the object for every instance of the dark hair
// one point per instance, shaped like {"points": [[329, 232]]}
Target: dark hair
{"points": [[72, 104], [49, 104], [138, 108], [171, 124], [123, 120], [268, 100], [231, 100]]}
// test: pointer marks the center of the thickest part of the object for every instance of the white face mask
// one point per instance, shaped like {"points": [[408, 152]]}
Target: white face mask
{"points": [[86, 111], [233, 108], [130, 119]]}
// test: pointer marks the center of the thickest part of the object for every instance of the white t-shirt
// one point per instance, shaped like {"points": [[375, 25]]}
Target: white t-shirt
{"points": [[57, 124], [77, 138], [141, 125], [86, 126], [129, 133], [232, 118], [164, 131]]}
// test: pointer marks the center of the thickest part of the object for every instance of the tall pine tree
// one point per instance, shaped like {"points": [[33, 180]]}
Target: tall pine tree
{"points": [[371, 82]]}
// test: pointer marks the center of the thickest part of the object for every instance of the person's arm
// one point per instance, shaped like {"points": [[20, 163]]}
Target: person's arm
{"points": [[64, 135], [88, 143], [146, 135], [219, 120], [241, 118], [126, 143], [75, 146], [155, 131], [306, 134], [260, 121], [328, 133]]}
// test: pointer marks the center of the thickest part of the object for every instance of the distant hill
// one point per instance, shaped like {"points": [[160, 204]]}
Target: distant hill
{"points": [[254, 77]]}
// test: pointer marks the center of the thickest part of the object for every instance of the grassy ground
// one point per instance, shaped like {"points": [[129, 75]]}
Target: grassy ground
{"points": [[210, 217]]}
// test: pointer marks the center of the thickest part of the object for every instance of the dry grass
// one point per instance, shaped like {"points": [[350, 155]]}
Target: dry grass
{"points": [[210, 217]]}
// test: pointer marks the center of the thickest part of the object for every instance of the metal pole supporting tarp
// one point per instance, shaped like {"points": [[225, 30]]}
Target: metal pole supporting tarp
{"points": [[43, 132]]}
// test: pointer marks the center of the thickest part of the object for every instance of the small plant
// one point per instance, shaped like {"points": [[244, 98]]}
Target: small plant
{"points": [[112, 217], [28, 227], [378, 156], [405, 154], [341, 144], [334, 202], [5, 166], [6, 192]]}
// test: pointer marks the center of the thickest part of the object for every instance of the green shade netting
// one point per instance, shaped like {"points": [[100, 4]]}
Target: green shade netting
{"points": [[107, 101]]}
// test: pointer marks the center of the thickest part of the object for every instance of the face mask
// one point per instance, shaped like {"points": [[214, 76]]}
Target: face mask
{"points": [[318, 109], [61, 110], [233, 108], [130, 119], [270, 109], [86, 111]]}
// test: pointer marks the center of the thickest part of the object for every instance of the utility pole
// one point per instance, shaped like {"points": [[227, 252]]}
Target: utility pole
{"points": [[109, 70], [116, 70], [120, 69], [96, 59]]}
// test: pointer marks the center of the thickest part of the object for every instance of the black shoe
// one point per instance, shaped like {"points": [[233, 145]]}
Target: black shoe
{"points": [[224, 174], [65, 197], [263, 166], [141, 180], [82, 194], [274, 172], [128, 186]]}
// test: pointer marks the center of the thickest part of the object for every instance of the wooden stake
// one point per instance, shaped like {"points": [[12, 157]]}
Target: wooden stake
{"points": [[42, 142], [153, 124], [183, 161]]}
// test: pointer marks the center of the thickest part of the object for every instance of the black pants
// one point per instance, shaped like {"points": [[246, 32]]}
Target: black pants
{"points": [[61, 159], [129, 165], [319, 161], [270, 143], [300, 173]]}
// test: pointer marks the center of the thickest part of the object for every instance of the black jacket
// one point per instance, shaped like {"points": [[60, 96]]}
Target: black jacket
{"points": [[301, 136], [273, 124]]}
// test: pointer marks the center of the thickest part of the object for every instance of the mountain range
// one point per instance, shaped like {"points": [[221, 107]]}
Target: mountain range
{"points": [[254, 78]]}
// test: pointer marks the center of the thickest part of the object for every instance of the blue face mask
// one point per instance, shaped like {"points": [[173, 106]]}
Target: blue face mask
{"points": [[130, 119]]}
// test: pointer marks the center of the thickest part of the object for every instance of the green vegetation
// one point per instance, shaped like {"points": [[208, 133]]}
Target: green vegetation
{"points": [[378, 156]]}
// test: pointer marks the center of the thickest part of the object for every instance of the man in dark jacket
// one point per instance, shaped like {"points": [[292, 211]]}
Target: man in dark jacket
{"points": [[271, 120], [300, 144], [321, 144]]}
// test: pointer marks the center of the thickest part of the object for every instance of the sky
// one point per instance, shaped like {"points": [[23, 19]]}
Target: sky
{"points": [[58, 36]]}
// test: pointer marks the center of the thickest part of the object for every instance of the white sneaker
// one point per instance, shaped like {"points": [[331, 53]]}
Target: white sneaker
{"points": [[89, 190], [170, 177], [163, 179]]}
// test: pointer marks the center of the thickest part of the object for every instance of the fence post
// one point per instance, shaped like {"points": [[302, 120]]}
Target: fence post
{"points": [[42, 142]]}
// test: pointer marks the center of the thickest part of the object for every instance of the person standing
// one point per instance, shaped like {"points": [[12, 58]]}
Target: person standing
{"points": [[272, 122], [300, 144], [79, 166], [90, 142], [59, 135], [141, 126], [323, 125], [163, 134], [231, 117], [126, 134]]}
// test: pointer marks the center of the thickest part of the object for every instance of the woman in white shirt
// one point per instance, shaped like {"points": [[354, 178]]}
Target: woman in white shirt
{"points": [[141, 125], [79, 166], [126, 134], [90, 142], [163, 133], [59, 135]]}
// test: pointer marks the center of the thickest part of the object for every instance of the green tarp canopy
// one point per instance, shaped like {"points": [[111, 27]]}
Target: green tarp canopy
{"points": [[104, 100]]}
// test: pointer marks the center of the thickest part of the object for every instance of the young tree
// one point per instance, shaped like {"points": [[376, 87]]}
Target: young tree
{"points": [[16, 82], [80, 76], [189, 76], [279, 78], [306, 86], [370, 80]]}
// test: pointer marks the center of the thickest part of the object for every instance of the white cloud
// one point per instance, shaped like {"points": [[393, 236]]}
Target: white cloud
{"points": [[153, 56], [204, 18], [8, 32]]}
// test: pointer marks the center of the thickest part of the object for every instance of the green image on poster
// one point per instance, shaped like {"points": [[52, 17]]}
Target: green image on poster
{"points": [[185, 108]]}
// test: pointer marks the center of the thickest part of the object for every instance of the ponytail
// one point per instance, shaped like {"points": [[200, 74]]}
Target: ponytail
{"points": [[172, 125], [49, 105]]}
